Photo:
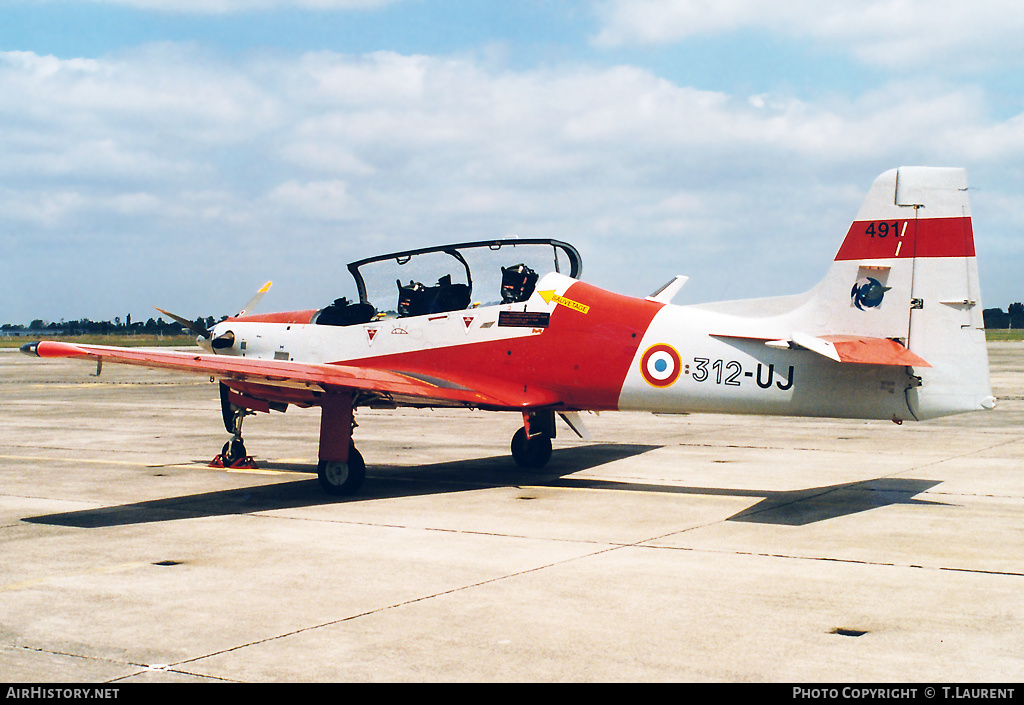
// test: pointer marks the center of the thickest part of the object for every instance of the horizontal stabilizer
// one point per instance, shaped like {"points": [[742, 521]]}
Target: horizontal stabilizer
{"points": [[860, 349], [857, 349], [873, 351]]}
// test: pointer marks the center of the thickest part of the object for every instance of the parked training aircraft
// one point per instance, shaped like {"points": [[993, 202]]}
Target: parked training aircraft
{"points": [[894, 331]]}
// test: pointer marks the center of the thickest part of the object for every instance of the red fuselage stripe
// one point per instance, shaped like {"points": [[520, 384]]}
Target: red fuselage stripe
{"points": [[908, 238], [582, 358]]}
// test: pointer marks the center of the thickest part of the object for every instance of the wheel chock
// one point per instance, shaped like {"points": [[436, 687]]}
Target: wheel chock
{"points": [[246, 463]]}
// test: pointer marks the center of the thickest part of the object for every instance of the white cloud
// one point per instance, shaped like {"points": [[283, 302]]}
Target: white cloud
{"points": [[892, 33], [45, 208], [223, 7], [317, 200], [288, 167]]}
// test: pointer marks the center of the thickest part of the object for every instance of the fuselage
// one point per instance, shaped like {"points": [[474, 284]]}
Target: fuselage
{"points": [[573, 346]]}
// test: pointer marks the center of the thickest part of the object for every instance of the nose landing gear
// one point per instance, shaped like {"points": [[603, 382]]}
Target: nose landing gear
{"points": [[233, 454]]}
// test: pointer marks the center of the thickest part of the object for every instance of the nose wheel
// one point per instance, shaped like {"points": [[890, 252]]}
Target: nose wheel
{"points": [[233, 454], [233, 451]]}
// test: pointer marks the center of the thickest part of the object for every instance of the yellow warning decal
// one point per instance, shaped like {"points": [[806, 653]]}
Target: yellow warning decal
{"points": [[550, 296]]}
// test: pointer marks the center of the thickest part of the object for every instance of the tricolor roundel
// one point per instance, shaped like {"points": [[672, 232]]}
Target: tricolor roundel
{"points": [[660, 365]]}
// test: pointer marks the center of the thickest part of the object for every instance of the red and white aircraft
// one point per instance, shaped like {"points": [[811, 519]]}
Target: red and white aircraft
{"points": [[894, 331]]}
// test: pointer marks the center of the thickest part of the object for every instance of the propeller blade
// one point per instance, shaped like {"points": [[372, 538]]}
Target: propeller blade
{"points": [[254, 300], [196, 328], [200, 329]]}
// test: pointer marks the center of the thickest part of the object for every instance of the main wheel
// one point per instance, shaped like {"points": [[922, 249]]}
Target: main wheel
{"points": [[342, 478], [530, 452]]}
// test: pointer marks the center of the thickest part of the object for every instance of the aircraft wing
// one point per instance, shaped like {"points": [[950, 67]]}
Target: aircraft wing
{"points": [[420, 385], [858, 349]]}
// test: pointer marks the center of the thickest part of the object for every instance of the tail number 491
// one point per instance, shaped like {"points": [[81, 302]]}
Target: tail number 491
{"points": [[884, 229]]}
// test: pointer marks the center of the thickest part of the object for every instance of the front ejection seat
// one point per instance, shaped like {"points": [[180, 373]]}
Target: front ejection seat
{"points": [[517, 283]]}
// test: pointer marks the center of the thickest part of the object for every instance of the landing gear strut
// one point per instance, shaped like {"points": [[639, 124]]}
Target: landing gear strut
{"points": [[341, 469], [531, 445], [233, 454]]}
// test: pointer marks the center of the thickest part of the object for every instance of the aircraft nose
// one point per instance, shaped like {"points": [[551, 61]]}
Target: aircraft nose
{"points": [[30, 349]]}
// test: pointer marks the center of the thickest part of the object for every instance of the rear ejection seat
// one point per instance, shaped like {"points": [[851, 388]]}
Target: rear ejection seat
{"points": [[414, 299]]}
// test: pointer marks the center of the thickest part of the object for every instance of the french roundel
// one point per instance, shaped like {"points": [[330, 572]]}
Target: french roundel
{"points": [[660, 365]]}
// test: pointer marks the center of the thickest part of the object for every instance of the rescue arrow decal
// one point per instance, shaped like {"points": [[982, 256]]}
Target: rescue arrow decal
{"points": [[550, 296]]}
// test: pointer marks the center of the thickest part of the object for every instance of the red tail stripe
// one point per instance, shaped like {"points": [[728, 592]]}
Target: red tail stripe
{"points": [[927, 237]]}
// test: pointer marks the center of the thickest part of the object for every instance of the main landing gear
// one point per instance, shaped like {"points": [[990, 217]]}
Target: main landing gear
{"points": [[342, 477], [341, 469], [531, 445]]}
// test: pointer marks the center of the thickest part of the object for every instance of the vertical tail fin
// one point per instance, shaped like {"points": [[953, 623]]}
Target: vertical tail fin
{"points": [[907, 271]]}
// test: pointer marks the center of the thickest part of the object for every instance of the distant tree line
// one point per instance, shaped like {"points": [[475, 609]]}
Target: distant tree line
{"points": [[1012, 318], [995, 318], [84, 326]]}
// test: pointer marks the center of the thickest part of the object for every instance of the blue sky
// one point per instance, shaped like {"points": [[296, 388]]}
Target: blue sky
{"points": [[180, 153]]}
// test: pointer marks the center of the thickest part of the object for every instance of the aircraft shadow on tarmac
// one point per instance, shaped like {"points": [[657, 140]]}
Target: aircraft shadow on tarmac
{"points": [[787, 507]]}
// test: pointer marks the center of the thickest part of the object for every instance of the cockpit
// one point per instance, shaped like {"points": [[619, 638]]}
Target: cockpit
{"points": [[415, 299], [442, 279]]}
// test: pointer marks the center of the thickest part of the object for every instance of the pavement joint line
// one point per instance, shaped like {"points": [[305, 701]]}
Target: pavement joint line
{"points": [[174, 668], [55, 652], [422, 598], [948, 458], [163, 668], [827, 559], [811, 449], [92, 383], [101, 461], [404, 603], [641, 544]]}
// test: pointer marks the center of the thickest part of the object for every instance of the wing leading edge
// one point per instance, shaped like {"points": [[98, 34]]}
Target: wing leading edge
{"points": [[313, 377]]}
